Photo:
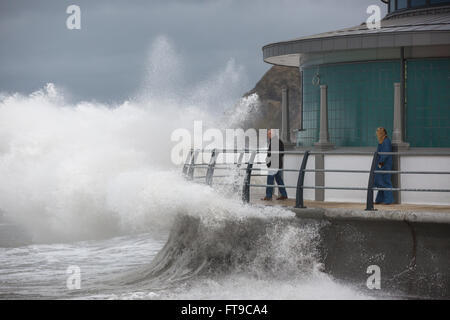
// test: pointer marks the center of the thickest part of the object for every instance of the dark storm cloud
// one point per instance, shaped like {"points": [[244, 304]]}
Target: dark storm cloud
{"points": [[106, 59]]}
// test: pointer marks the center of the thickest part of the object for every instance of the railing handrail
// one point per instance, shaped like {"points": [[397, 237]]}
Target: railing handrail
{"points": [[190, 165], [332, 152]]}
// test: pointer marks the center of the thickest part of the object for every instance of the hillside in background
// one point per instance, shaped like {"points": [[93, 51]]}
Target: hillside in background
{"points": [[269, 90]]}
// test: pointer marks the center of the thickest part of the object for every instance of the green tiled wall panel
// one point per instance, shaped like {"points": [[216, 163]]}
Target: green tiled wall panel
{"points": [[428, 103], [360, 99]]}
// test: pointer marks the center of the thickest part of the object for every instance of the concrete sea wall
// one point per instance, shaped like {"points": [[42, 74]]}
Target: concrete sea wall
{"points": [[411, 249]]}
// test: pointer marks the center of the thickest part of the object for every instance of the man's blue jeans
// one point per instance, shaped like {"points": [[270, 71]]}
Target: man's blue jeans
{"points": [[384, 181], [279, 179]]}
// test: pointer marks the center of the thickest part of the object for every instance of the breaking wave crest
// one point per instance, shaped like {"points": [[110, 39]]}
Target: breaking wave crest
{"points": [[88, 170], [255, 257], [284, 248]]}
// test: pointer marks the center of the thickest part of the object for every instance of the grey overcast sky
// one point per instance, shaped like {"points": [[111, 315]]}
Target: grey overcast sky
{"points": [[106, 59]]}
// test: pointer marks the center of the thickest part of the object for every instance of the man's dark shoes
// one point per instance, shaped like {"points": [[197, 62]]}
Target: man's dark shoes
{"points": [[282, 198]]}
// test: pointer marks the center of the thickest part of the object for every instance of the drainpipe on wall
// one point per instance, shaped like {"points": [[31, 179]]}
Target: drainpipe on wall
{"points": [[285, 131], [301, 101], [295, 131], [399, 106], [398, 143]]}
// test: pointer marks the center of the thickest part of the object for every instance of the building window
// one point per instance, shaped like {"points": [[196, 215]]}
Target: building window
{"points": [[392, 6], [418, 3], [427, 96], [406, 4], [402, 4], [439, 1]]}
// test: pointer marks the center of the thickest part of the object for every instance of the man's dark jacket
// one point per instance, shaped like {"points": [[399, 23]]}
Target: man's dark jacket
{"points": [[280, 156]]}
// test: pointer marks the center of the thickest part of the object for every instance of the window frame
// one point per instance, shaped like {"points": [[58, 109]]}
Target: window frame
{"points": [[409, 5]]}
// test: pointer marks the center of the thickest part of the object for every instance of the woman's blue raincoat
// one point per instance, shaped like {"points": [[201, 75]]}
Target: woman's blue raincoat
{"points": [[384, 180]]}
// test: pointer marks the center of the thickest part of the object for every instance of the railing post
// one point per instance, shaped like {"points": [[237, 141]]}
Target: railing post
{"points": [[241, 157], [190, 175], [237, 175], [211, 165], [186, 163], [369, 203], [247, 179], [300, 182]]}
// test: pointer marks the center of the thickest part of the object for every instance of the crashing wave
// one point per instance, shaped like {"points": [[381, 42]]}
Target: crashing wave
{"points": [[273, 247]]}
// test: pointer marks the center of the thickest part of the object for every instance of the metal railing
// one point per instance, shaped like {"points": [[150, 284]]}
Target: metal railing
{"points": [[190, 165]]}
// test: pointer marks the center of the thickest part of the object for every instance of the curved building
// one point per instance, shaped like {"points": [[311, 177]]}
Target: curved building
{"points": [[396, 76], [360, 66]]}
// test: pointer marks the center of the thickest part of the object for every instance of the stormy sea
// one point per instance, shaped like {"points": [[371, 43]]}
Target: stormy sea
{"points": [[88, 189]]}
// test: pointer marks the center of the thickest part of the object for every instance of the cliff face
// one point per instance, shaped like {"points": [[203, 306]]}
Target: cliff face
{"points": [[269, 92]]}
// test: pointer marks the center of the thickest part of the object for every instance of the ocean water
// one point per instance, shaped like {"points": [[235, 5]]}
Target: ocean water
{"points": [[91, 187], [253, 256]]}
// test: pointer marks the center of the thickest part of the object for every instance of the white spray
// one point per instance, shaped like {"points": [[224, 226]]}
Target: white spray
{"points": [[90, 170]]}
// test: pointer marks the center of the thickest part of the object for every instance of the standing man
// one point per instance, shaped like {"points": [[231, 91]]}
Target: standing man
{"points": [[385, 164], [274, 163]]}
